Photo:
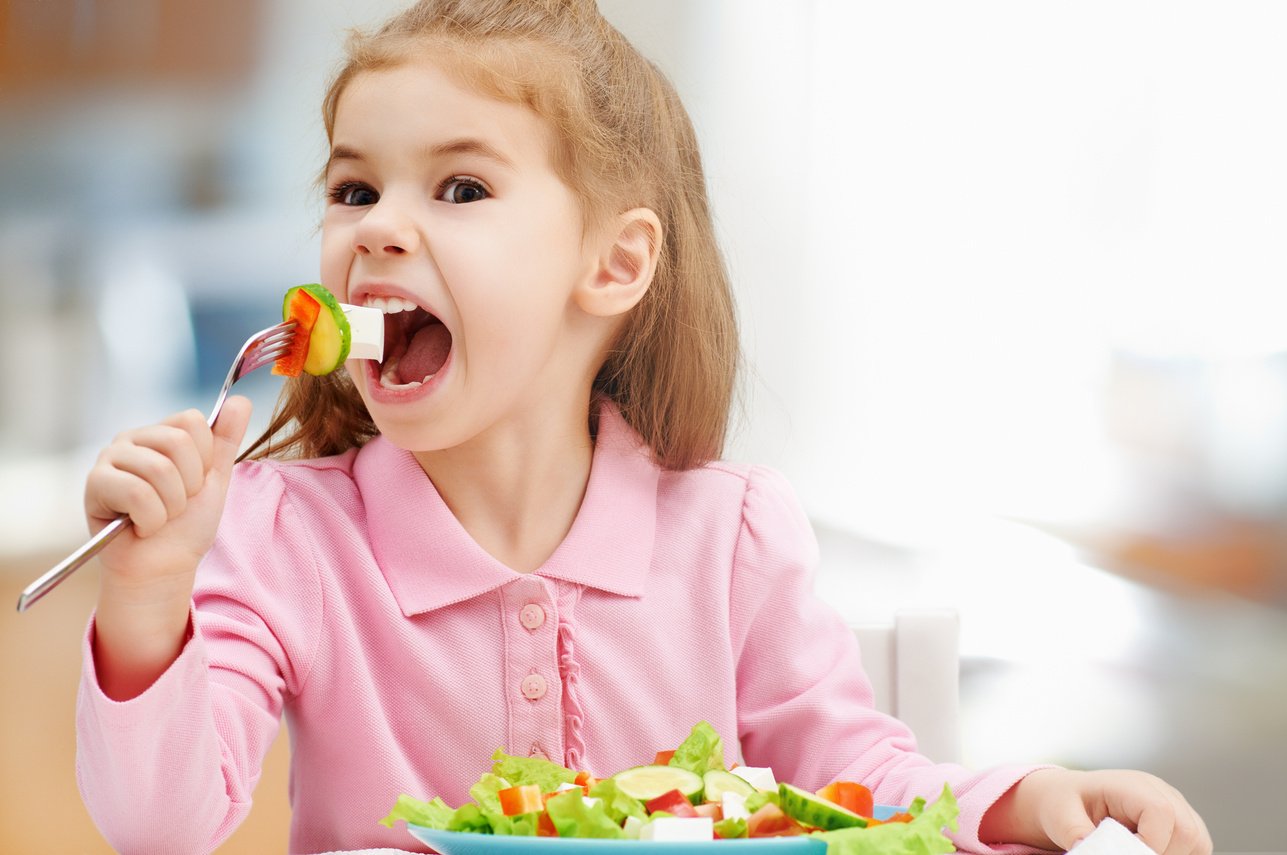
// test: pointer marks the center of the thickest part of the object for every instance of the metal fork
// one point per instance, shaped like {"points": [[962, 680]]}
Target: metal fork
{"points": [[259, 350]]}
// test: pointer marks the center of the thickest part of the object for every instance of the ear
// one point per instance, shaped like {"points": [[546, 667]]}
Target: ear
{"points": [[627, 260]]}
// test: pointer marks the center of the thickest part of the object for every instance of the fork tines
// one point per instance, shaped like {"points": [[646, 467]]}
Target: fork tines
{"points": [[270, 347]]}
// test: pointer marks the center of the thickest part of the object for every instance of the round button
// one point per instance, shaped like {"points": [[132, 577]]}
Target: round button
{"points": [[533, 687], [531, 615]]}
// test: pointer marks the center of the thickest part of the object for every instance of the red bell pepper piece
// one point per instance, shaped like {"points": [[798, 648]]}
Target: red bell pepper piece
{"points": [[522, 799], [304, 310]]}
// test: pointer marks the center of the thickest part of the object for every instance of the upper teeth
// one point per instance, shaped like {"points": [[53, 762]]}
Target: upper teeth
{"points": [[390, 305]]}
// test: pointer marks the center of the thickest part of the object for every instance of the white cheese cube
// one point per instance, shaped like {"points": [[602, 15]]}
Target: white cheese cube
{"points": [[679, 828], [760, 777], [589, 802], [367, 328], [632, 827], [1110, 838], [734, 805]]}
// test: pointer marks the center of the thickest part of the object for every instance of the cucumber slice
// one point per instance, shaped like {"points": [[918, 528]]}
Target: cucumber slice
{"points": [[328, 346], [647, 782], [814, 810], [717, 782]]}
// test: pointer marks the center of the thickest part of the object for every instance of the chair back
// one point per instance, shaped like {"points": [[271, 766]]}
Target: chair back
{"points": [[913, 663]]}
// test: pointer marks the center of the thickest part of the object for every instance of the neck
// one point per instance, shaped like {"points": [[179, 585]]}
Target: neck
{"points": [[518, 491]]}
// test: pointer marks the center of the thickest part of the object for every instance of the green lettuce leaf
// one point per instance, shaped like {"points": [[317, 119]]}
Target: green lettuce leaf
{"points": [[572, 817], [434, 814], [760, 798], [617, 804], [471, 818], [701, 751], [523, 825], [729, 829], [484, 793], [530, 770], [922, 836]]}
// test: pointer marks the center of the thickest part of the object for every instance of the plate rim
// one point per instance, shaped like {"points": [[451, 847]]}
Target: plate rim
{"points": [[476, 837]]}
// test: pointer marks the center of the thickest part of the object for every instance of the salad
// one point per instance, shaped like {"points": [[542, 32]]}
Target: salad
{"points": [[685, 794]]}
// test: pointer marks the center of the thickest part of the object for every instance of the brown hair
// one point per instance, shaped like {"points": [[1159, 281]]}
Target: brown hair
{"points": [[623, 140]]}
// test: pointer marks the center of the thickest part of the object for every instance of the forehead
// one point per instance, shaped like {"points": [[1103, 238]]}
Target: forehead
{"points": [[418, 103]]}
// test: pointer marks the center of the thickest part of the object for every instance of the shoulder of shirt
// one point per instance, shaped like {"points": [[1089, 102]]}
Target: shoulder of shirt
{"points": [[298, 470], [748, 478]]}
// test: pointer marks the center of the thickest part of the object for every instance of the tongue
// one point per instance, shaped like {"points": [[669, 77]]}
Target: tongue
{"points": [[426, 352]]}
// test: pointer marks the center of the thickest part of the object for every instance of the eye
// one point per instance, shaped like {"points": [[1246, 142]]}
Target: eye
{"points": [[354, 193], [462, 189]]}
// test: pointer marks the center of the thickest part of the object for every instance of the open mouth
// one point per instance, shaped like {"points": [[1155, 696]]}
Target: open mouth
{"points": [[416, 344]]}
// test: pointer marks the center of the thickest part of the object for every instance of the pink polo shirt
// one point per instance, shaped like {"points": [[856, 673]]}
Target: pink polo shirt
{"points": [[343, 594]]}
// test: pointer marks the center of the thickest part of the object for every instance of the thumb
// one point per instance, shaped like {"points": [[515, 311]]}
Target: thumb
{"points": [[229, 430], [1069, 824]]}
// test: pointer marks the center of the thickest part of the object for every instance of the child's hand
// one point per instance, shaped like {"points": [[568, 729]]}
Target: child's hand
{"points": [[1060, 807], [171, 479]]}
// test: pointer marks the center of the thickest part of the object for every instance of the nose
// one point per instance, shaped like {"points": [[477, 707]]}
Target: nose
{"points": [[386, 228]]}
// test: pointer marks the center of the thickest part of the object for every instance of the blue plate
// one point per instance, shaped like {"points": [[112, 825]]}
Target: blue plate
{"points": [[469, 843]]}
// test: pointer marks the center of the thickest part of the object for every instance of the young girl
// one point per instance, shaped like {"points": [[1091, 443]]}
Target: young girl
{"points": [[514, 531]]}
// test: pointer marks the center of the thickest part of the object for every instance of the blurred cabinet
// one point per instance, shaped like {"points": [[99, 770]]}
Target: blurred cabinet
{"points": [[40, 806], [47, 44]]}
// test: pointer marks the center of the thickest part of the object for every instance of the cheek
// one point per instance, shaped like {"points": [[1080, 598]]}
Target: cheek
{"points": [[356, 369], [335, 261]]}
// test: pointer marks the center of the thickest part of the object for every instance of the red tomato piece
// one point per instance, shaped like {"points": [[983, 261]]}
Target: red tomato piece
{"points": [[545, 826], [714, 810], [663, 758], [673, 802], [770, 821], [850, 796], [898, 817], [523, 799], [830, 793]]}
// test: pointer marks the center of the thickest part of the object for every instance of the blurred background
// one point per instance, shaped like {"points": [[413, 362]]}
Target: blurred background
{"points": [[1011, 282]]}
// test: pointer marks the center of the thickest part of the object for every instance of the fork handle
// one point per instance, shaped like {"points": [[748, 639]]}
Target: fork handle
{"points": [[71, 563]]}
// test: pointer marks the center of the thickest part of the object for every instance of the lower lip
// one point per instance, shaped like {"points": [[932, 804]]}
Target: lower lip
{"points": [[384, 395]]}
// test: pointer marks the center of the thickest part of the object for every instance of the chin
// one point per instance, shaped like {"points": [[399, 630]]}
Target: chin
{"points": [[413, 434]]}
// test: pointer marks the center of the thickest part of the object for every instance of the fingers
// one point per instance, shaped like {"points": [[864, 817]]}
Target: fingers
{"points": [[149, 473], [1161, 817], [1155, 827], [1172, 827], [229, 431], [1190, 834], [1072, 804], [1068, 824]]}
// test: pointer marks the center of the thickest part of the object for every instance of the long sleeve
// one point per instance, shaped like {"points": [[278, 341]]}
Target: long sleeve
{"points": [[804, 702], [343, 595], [172, 770]]}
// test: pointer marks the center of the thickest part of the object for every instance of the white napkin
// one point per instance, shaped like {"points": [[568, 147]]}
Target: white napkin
{"points": [[1111, 838]]}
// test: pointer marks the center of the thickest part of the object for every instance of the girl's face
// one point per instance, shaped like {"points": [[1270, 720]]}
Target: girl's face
{"points": [[445, 211]]}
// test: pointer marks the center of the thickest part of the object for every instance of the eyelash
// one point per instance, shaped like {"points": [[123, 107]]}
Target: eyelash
{"points": [[341, 190], [467, 181]]}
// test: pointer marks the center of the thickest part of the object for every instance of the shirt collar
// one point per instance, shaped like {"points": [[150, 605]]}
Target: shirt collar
{"points": [[430, 561]]}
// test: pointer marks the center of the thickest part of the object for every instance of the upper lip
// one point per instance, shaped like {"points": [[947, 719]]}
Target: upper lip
{"points": [[359, 294]]}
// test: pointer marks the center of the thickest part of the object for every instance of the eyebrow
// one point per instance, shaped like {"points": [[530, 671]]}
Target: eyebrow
{"points": [[462, 146]]}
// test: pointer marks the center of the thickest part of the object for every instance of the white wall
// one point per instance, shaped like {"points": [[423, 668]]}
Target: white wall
{"points": [[948, 223]]}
